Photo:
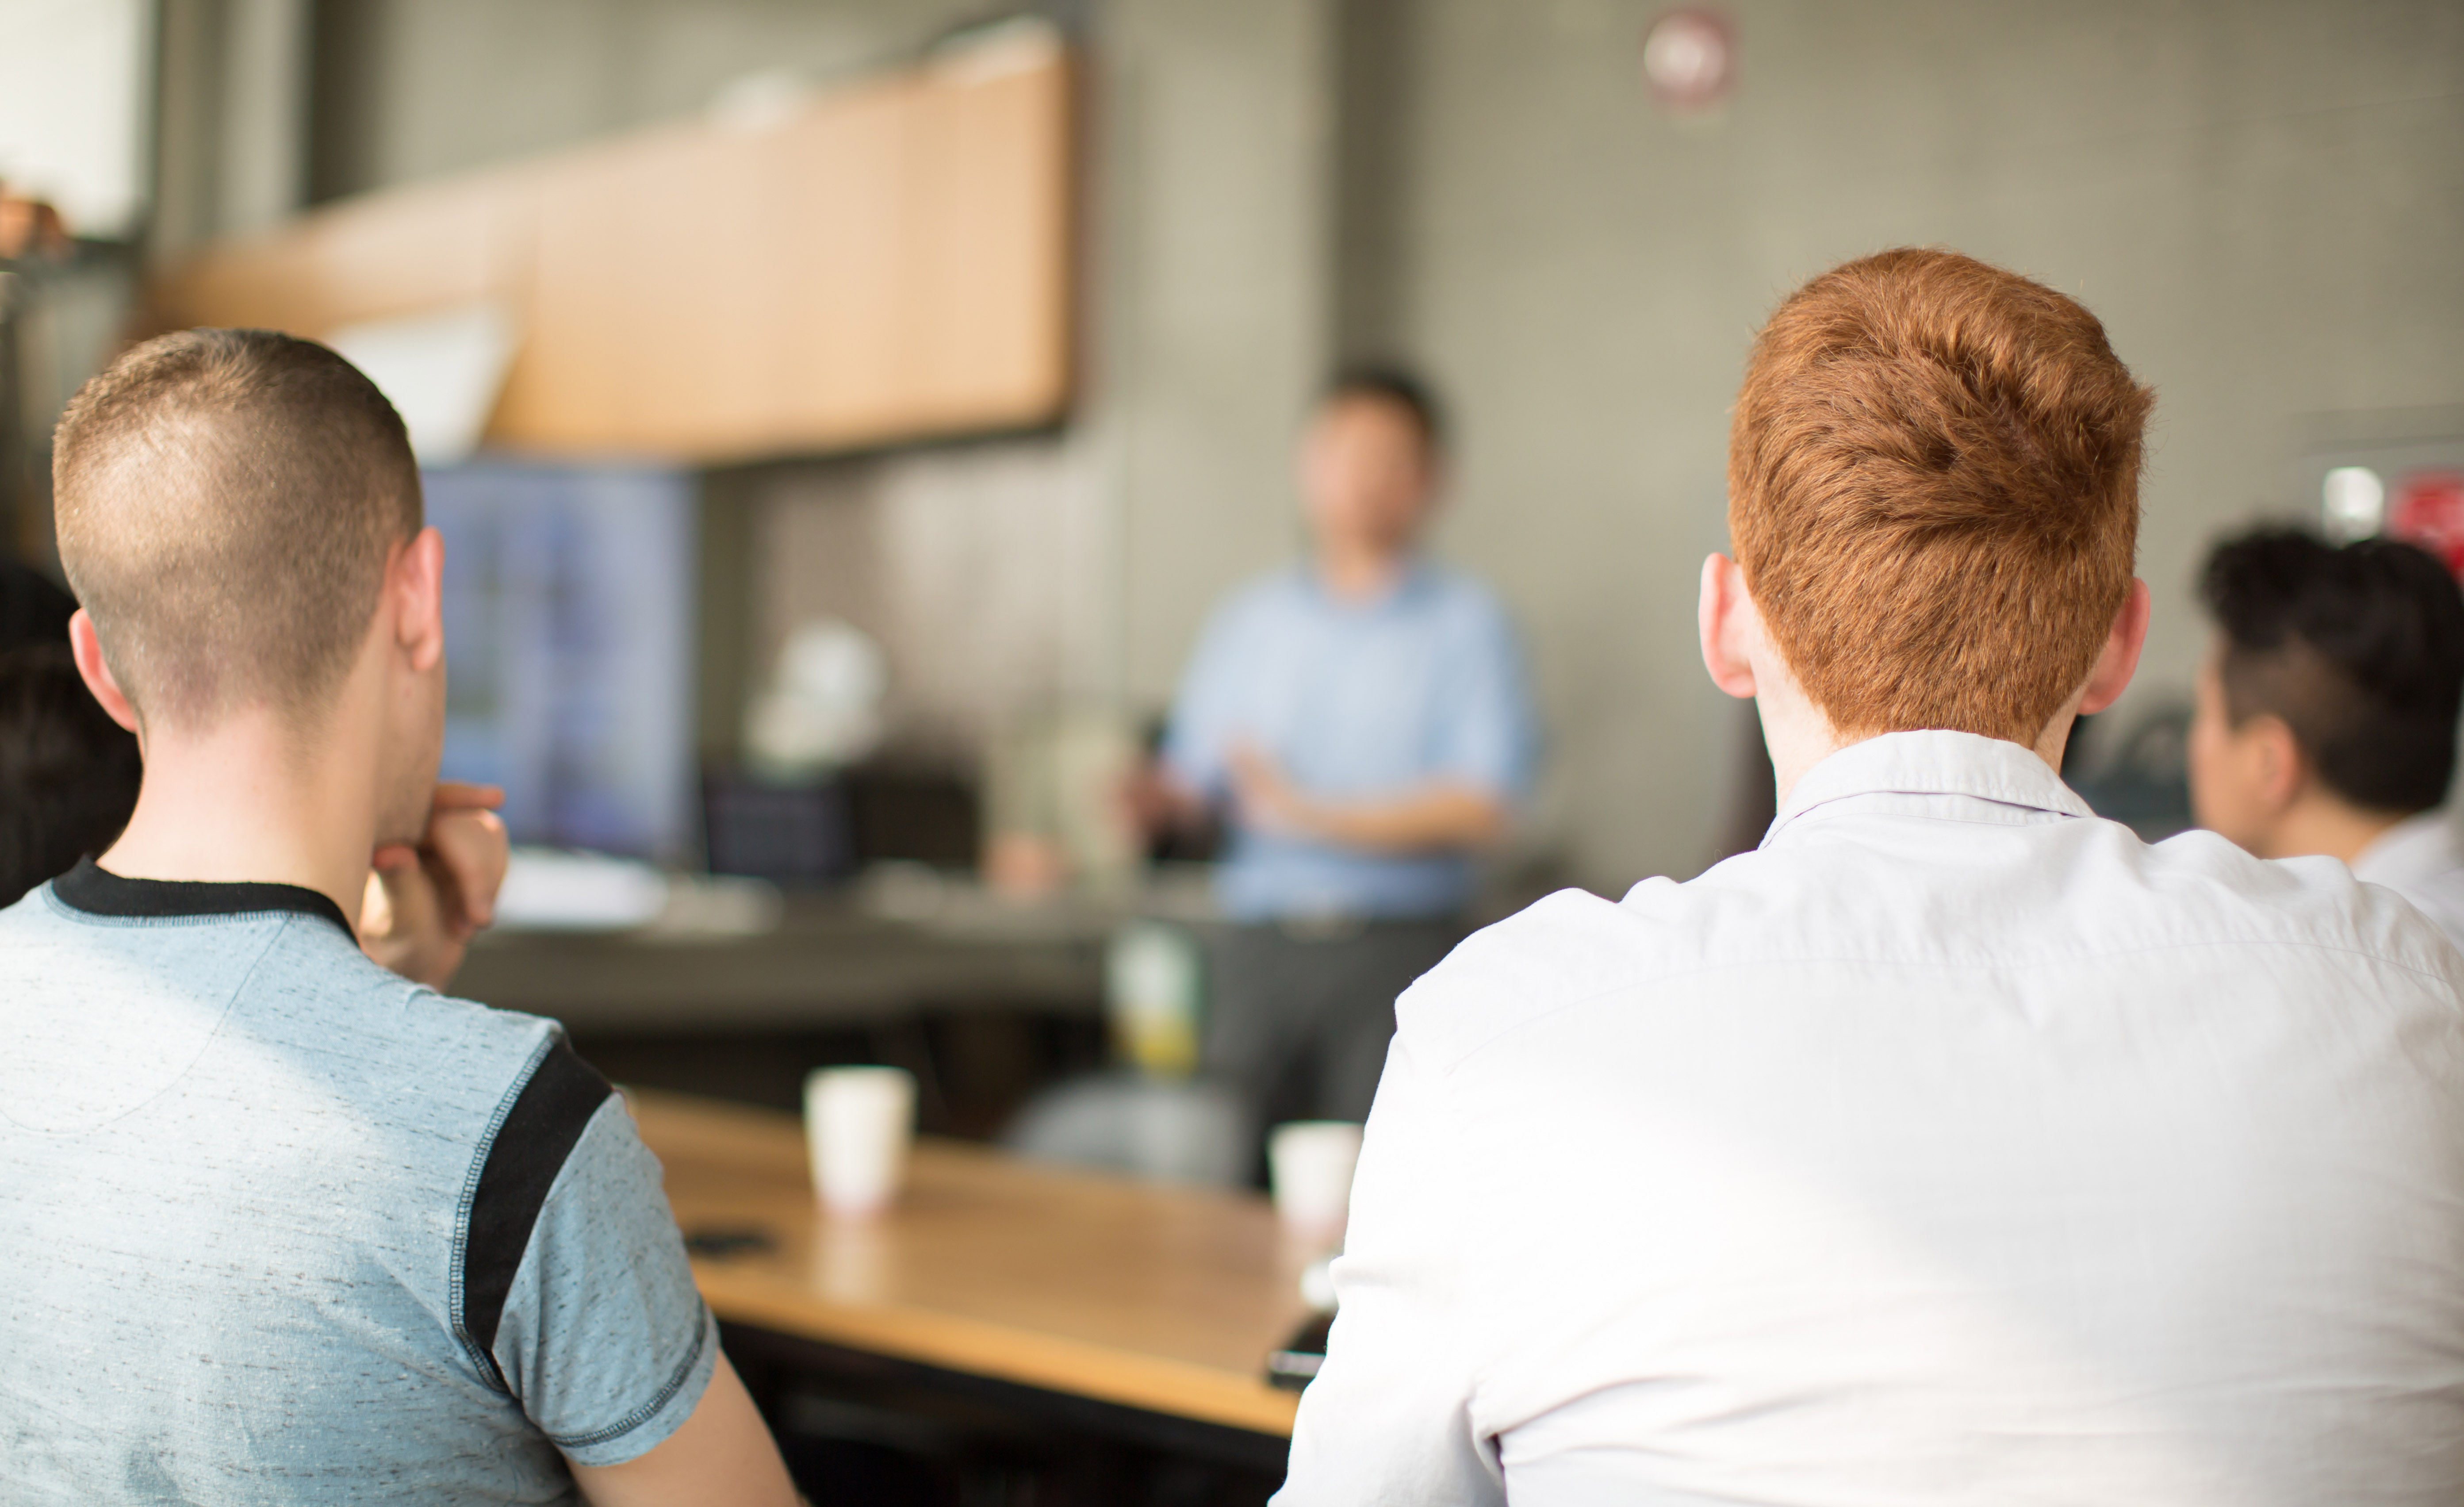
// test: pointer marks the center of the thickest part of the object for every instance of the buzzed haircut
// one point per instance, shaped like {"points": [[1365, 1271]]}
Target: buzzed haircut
{"points": [[1933, 492], [2360, 650], [226, 500], [1387, 383]]}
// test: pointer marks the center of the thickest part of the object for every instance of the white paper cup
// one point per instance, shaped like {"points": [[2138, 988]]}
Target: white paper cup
{"points": [[857, 1125], [1311, 1162]]}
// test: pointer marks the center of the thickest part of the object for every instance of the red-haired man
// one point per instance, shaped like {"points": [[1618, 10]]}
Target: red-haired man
{"points": [[1954, 1146]]}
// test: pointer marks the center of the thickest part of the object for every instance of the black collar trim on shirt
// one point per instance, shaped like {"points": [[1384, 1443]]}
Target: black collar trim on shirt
{"points": [[98, 892]]}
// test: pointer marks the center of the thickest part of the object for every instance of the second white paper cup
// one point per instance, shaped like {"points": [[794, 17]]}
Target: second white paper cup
{"points": [[857, 1125], [1311, 1162]]}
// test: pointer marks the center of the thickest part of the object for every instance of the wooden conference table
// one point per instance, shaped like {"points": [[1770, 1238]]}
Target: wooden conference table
{"points": [[1157, 1302]]}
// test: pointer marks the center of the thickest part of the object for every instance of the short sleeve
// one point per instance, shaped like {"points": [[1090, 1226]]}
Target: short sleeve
{"points": [[1488, 735], [603, 1339]]}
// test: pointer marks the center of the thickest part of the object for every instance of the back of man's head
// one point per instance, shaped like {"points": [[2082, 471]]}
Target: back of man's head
{"points": [[227, 502], [2358, 651], [1933, 491]]}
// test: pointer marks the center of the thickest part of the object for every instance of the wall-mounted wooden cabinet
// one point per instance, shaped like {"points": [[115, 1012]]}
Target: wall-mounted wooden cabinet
{"points": [[887, 263]]}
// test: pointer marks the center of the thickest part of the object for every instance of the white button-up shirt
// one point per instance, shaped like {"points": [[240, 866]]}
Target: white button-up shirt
{"points": [[1954, 1148], [2417, 859]]}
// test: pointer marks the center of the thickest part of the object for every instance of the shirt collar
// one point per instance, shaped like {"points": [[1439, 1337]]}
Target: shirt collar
{"points": [[96, 890], [2414, 848], [1407, 585], [1931, 762]]}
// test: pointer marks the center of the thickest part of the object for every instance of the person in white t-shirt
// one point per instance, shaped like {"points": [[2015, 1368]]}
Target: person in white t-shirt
{"points": [[2327, 709], [1955, 1147]]}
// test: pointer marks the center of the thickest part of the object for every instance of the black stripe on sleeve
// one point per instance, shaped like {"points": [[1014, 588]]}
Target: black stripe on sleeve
{"points": [[530, 1148]]}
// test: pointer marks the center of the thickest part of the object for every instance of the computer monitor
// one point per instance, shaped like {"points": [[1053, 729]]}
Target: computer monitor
{"points": [[569, 644]]}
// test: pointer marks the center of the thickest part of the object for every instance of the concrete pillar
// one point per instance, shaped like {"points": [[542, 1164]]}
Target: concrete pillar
{"points": [[231, 121], [1213, 270]]}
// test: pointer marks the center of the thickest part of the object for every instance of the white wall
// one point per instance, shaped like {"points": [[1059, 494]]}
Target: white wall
{"points": [[73, 77]]}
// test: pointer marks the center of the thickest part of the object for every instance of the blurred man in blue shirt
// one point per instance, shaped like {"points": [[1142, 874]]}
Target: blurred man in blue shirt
{"points": [[1360, 725]]}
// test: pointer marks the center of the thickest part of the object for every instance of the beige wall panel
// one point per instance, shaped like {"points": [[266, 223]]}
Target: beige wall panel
{"points": [[991, 243], [625, 327], [890, 263], [419, 248], [845, 252]]}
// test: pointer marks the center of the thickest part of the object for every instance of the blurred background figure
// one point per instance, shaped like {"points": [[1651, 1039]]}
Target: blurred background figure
{"points": [[68, 772], [1358, 725], [2327, 709]]}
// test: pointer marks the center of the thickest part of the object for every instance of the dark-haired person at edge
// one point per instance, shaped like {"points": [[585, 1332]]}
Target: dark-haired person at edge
{"points": [[1954, 1146], [2327, 709], [1359, 726], [68, 772], [281, 1226], [34, 610]]}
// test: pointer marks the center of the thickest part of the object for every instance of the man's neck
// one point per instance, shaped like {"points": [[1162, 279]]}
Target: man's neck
{"points": [[2319, 823], [242, 802], [1360, 573], [1800, 737]]}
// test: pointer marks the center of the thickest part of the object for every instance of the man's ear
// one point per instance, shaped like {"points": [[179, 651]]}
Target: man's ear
{"points": [[2280, 772], [1728, 622], [2120, 659], [85, 645], [415, 596]]}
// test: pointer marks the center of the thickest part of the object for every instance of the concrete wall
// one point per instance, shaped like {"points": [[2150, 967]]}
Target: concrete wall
{"points": [[2262, 201], [977, 567], [409, 89], [231, 119], [1213, 300]]}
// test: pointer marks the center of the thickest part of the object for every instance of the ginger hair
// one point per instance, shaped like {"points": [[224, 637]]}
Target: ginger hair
{"points": [[1933, 493]]}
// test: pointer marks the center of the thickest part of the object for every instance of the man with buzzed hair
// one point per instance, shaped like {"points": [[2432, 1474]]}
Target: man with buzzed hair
{"points": [[1954, 1146], [282, 1227]]}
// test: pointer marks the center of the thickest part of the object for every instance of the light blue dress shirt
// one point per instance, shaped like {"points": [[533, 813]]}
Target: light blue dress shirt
{"points": [[1359, 700]]}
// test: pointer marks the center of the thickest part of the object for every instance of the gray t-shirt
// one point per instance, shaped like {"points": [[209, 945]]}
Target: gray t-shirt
{"points": [[276, 1226]]}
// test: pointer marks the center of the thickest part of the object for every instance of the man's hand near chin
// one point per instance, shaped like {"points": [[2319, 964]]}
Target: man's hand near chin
{"points": [[424, 903]]}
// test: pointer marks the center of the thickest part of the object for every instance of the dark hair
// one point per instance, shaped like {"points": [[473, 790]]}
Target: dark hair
{"points": [[68, 772], [32, 608], [2358, 650], [1396, 385]]}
